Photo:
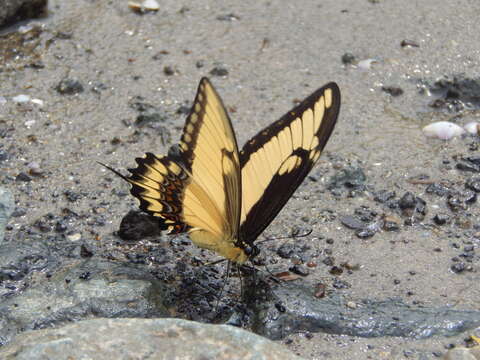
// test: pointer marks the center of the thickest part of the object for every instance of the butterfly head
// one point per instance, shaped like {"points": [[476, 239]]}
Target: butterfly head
{"points": [[251, 251]]}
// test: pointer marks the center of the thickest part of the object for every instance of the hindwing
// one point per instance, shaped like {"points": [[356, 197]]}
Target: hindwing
{"points": [[276, 160]]}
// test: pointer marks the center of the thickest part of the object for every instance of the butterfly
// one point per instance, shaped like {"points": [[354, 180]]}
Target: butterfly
{"points": [[222, 197]]}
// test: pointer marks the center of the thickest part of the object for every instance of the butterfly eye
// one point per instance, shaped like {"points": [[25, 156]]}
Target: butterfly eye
{"points": [[251, 251]]}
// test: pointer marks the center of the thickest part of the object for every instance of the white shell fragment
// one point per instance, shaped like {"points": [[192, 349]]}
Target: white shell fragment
{"points": [[21, 98], [473, 127], [143, 6], [443, 130], [38, 102], [365, 65]]}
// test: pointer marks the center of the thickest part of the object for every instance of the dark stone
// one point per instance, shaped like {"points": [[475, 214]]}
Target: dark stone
{"points": [[280, 307], [228, 17], [61, 226], [473, 184], [336, 270], [219, 71], [150, 119], [15, 11], [348, 58], [441, 219], [71, 195], [409, 43], [350, 177], [469, 248], [365, 214], [407, 201], [137, 225], [467, 166], [458, 267], [286, 250], [352, 222], [390, 225], [139, 104], [169, 70], [384, 195], [437, 189], [183, 110], [85, 275], [329, 261], [23, 177], [473, 159], [85, 252], [299, 270], [392, 90], [18, 212], [69, 87], [461, 200], [365, 233], [98, 87]]}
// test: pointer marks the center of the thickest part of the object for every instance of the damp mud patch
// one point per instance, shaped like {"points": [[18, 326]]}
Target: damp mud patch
{"points": [[453, 93]]}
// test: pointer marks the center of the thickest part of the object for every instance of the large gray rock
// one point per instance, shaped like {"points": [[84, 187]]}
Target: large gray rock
{"points": [[6, 208], [92, 288], [143, 338], [10, 8], [301, 311]]}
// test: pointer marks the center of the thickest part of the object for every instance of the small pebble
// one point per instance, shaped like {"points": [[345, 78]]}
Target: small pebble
{"points": [[34, 169], [320, 290], [393, 90], [348, 58], [23, 177], [351, 305], [219, 71], [408, 43], [473, 184], [74, 237], [37, 102], [299, 270], [29, 123], [69, 87], [458, 267], [352, 222], [441, 219]]}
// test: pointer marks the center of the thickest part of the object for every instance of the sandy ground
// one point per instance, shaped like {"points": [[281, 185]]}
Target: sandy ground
{"points": [[275, 52]]}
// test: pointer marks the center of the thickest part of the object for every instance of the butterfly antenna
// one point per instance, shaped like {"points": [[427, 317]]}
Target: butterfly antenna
{"points": [[293, 236]]}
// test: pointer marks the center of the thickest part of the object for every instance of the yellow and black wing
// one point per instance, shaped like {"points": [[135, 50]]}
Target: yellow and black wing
{"points": [[197, 187], [276, 160]]}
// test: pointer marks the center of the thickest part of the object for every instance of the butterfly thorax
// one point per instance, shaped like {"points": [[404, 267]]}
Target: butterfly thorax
{"points": [[230, 248]]}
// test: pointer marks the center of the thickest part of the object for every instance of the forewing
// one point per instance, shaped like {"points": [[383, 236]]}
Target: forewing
{"points": [[209, 153], [276, 160]]}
